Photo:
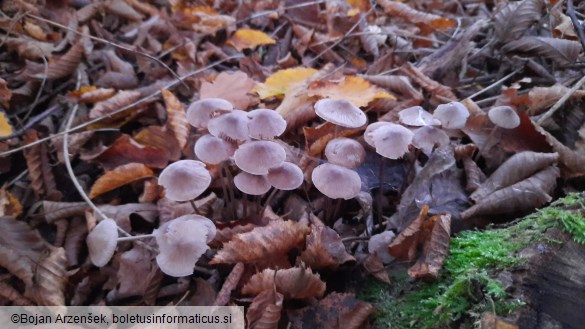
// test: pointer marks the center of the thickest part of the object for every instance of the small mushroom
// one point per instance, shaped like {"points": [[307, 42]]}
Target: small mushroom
{"points": [[252, 184], [416, 116], [213, 150], [426, 138], [265, 124], [232, 126], [346, 152], [452, 115], [287, 176], [181, 242], [336, 182], [200, 112], [102, 241], [184, 180], [504, 117], [391, 140], [340, 112], [257, 157]]}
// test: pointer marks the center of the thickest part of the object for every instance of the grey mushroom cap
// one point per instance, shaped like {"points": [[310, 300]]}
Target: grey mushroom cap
{"points": [[181, 242], [452, 115], [504, 117], [232, 126], [102, 241], [391, 140], [213, 150], [340, 112], [346, 152], [256, 157], [288, 176], [416, 116], [200, 112], [184, 180], [265, 124], [336, 182], [370, 129], [426, 138], [251, 184]]}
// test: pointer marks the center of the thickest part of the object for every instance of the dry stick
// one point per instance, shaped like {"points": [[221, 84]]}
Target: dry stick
{"points": [[125, 108], [270, 12], [32, 122], [41, 87], [560, 102], [153, 58], [576, 24], [495, 83]]}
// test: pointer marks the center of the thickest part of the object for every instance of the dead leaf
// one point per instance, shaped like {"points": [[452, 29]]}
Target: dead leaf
{"points": [[542, 98], [435, 249], [39, 169], [118, 177], [353, 89], [5, 126], [49, 279], [262, 243], [430, 85], [324, 249], [281, 82], [249, 39], [121, 99], [177, 119], [293, 283], [233, 87], [201, 19], [404, 246], [230, 283], [9, 204], [64, 65], [264, 312], [514, 18], [133, 264], [399, 9], [560, 51], [5, 96], [376, 268]]}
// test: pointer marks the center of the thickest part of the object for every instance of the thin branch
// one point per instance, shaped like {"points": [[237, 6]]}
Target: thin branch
{"points": [[560, 102], [32, 122], [495, 84], [125, 108], [576, 24], [153, 58]]}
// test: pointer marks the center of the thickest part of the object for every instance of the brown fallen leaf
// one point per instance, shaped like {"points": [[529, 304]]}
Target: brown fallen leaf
{"points": [[514, 18], [355, 90], [435, 249], [399, 9], [39, 169], [262, 243], [49, 279], [119, 100], [177, 119], [118, 177], [376, 268], [430, 85], [230, 283], [293, 283], [234, 87], [64, 65], [9, 204], [560, 51], [324, 249], [265, 310], [404, 246]]}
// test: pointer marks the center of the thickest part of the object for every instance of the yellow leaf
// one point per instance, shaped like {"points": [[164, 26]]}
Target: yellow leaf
{"points": [[118, 177], [355, 90], [9, 204], [281, 82], [5, 127], [246, 38], [177, 120], [359, 5]]}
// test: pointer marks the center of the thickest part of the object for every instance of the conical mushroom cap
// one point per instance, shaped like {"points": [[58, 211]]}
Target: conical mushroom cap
{"points": [[257, 157], [504, 117], [340, 112], [102, 241], [336, 182], [345, 152], [265, 124], [251, 184], [184, 180], [200, 112], [416, 116], [452, 115], [287, 176], [213, 150], [181, 243]]}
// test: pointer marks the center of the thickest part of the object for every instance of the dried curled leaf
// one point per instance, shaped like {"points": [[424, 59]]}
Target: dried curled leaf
{"points": [[264, 312], [90, 94], [177, 119], [118, 177], [404, 246], [515, 169], [430, 85], [293, 283], [527, 194], [324, 249], [39, 169], [396, 8], [560, 51], [355, 90], [515, 17], [435, 249], [262, 243], [542, 98], [50, 279], [121, 99], [233, 87], [396, 83], [54, 211], [65, 65], [247, 38]]}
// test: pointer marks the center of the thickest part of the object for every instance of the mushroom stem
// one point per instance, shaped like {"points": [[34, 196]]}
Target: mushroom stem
{"points": [[229, 197], [380, 189], [134, 237], [194, 207], [267, 202], [335, 209]]}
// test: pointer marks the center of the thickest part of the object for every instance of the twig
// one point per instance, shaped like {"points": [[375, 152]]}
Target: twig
{"points": [[41, 87], [495, 83], [576, 24], [270, 12], [153, 58], [560, 102], [125, 108], [31, 122]]}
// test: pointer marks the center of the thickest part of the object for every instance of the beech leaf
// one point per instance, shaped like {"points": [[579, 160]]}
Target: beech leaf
{"points": [[293, 283], [247, 38], [118, 177], [560, 51], [514, 18]]}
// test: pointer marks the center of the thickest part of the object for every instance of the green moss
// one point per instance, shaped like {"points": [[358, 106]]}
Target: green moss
{"points": [[467, 285]]}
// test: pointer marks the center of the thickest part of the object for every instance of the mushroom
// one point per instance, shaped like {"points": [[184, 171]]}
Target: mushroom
{"points": [[287, 176], [452, 115], [251, 184], [200, 112], [257, 157], [390, 140], [265, 124], [181, 242], [417, 116], [232, 126], [102, 241], [184, 180], [504, 117], [340, 112], [346, 152], [426, 138], [213, 150], [336, 182]]}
